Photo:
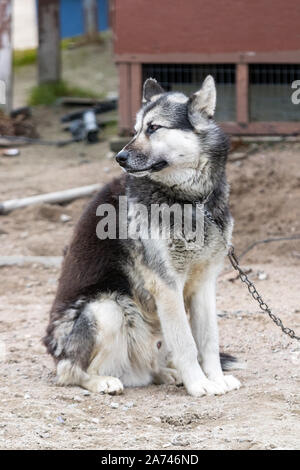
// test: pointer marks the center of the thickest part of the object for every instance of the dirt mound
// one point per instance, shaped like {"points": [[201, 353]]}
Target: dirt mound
{"points": [[265, 201]]}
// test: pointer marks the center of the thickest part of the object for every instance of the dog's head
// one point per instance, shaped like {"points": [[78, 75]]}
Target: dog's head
{"points": [[176, 137]]}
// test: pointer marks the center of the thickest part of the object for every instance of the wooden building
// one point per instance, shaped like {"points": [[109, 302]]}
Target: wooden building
{"points": [[252, 48]]}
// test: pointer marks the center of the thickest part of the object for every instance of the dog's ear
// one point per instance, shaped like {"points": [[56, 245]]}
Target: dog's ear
{"points": [[151, 88], [203, 102]]}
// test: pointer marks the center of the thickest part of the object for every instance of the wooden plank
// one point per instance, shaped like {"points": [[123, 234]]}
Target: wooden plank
{"points": [[136, 90], [242, 93], [282, 57], [49, 63], [124, 98], [262, 128], [6, 72], [50, 198], [49, 261]]}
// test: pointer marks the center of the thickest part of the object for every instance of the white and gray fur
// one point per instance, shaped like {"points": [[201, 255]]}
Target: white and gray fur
{"points": [[135, 312]]}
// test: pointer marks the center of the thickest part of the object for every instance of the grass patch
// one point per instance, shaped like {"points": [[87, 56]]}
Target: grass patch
{"points": [[48, 93], [29, 56], [24, 57]]}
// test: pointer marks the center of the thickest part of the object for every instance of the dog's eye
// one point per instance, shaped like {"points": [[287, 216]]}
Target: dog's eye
{"points": [[152, 128]]}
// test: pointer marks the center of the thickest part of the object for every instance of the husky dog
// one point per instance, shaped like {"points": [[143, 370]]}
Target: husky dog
{"points": [[135, 311]]}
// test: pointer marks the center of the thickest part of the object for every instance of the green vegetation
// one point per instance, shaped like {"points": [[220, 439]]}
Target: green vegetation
{"points": [[29, 56], [48, 93], [24, 57]]}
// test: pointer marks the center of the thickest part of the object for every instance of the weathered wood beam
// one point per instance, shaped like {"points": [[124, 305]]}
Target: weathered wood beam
{"points": [[49, 61], [90, 16], [50, 198]]}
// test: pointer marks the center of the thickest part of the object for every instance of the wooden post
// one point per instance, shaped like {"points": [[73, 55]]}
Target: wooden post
{"points": [[124, 98], [136, 90], [49, 64], [242, 94], [90, 15], [6, 73]]}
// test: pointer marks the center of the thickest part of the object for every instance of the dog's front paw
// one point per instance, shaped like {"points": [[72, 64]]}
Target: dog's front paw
{"points": [[205, 387], [98, 384], [227, 382], [231, 382]]}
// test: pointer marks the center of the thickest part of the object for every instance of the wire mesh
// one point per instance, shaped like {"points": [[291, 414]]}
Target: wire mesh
{"points": [[188, 78], [270, 92]]}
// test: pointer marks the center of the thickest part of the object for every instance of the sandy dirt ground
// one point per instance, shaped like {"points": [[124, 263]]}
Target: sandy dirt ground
{"points": [[264, 414]]}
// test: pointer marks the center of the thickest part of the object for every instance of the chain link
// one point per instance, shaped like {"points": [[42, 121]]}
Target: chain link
{"points": [[252, 289]]}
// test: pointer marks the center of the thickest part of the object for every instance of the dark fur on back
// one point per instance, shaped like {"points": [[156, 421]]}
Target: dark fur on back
{"points": [[90, 266]]}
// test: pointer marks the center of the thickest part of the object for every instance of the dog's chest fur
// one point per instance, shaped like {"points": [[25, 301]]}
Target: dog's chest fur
{"points": [[160, 263], [194, 240]]}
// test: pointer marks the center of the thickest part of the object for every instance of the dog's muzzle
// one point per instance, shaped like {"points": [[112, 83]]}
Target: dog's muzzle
{"points": [[123, 158]]}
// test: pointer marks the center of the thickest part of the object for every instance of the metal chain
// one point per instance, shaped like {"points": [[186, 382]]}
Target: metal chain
{"points": [[252, 289]]}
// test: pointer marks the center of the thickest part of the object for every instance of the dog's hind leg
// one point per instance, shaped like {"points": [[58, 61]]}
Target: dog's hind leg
{"points": [[72, 374], [76, 337]]}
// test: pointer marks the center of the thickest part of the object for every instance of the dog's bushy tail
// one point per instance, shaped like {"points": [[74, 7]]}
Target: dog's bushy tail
{"points": [[229, 362]]}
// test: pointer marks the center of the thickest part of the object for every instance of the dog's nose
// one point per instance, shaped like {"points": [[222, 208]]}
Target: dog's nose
{"points": [[122, 157]]}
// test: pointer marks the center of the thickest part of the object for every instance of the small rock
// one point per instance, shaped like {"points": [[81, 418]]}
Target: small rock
{"points": [[262, 276], [27, 396], [129, 404], [235, 156], [65, 218], [11, 153], [114, 405], [86, 393], [180, 440], [61, 420], [77, 398], [24, 235], [95, 420]]}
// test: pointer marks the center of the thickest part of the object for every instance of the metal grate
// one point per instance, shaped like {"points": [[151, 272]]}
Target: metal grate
{"points": [[188, 78], [270, 92]]}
